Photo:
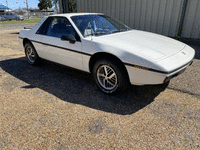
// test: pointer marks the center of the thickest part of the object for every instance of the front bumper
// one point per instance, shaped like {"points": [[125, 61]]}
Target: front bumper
{"points": [[140, 76], [177, 73]]}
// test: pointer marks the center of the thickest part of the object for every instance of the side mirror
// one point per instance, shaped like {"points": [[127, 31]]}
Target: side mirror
{"points": [[69, 38]]}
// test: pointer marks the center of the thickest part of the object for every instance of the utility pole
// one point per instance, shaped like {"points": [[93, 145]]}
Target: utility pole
{"points": [[6, 3], [27, 8]]}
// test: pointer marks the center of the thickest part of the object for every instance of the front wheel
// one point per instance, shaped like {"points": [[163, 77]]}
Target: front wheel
{"points": [[110, 76]]}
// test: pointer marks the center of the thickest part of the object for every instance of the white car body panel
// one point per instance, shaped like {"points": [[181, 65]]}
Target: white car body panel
{"points": [[59, 55], [143, 43], [177, 60], [149, 58]]}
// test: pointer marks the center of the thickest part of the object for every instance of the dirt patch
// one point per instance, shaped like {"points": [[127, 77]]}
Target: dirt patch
{"points": [[9, 39]]}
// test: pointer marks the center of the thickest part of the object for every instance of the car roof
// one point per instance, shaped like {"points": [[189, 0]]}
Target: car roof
{"points": [[75, 14]]}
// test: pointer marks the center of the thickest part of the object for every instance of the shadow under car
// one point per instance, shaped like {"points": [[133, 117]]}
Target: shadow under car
{"points": [[78, 87]]}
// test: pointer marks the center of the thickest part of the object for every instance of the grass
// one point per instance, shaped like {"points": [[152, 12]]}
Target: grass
{"points": [[34, 20]]}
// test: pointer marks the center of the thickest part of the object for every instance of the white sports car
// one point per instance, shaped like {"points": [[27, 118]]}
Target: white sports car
{"points": [[115, 54]]}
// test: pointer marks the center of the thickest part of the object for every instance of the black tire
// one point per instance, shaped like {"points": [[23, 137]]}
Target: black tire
{"points": [[112, 82], [31, 54]]}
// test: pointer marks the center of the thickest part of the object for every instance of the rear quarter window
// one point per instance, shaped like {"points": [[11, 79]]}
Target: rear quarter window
{"points": [[43, 28]]}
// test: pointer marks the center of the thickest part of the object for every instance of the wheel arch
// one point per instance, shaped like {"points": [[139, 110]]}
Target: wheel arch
{"points": [[25, 41], [102, 55]]}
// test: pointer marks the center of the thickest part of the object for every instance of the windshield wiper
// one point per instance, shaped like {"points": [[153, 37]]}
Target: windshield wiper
{"points": [[99, 33], [120, 30], [115, 31], [96, 33], [89, 34]]}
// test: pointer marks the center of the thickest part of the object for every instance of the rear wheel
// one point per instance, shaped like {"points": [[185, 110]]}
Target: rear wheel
{"points": [[31, 54], [109, 76]]}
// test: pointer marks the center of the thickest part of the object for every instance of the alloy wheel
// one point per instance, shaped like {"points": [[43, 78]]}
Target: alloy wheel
{"points": [[30, 54], [107, 77]]}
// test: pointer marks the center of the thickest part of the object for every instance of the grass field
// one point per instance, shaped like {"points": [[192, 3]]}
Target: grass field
{"points": [[34, 20]]}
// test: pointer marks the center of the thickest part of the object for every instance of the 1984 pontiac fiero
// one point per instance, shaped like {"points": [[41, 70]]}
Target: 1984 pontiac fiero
{"points": [[115, 54]]}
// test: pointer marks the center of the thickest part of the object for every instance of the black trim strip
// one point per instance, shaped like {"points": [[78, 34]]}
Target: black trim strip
{"points": [[60, 47], [145, 68], [149, 69]]}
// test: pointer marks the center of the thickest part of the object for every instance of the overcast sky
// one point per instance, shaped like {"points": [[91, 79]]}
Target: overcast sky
{"points": [[15, 4]]}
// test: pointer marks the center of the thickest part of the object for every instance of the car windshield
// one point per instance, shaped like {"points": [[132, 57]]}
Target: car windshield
{"points": [[98, 25]]}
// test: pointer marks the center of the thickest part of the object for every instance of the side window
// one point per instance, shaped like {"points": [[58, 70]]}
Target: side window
{"points": [[42, 30], [60, 26]]}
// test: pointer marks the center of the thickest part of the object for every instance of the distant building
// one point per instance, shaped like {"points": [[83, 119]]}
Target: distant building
{"points": [[36, 13], [3, 8]]}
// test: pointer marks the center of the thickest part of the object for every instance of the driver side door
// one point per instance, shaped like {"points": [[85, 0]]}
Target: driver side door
{"points": [[62, 51]]}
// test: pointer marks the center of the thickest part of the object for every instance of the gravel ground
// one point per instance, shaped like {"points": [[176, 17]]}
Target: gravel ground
{"points": [[54, 107]]}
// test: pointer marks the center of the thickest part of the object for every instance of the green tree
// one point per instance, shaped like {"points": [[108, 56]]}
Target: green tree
{"points": [[72, 5], [44, 4]]}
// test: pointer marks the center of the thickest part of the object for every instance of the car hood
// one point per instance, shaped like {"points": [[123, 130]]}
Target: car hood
{"points": [[145, 44]]}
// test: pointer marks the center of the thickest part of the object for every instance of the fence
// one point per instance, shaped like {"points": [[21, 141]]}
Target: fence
{"points": [[158, 16]]}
